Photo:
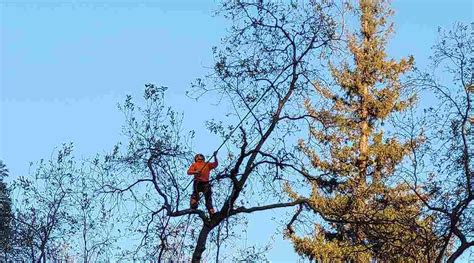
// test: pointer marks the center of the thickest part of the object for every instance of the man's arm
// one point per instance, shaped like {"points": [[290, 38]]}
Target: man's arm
{"points": [[192, 170]]}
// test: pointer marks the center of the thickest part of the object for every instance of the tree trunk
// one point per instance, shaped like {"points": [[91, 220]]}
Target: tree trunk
{"points": [[364, 135], [201, 243], [218, 243]]}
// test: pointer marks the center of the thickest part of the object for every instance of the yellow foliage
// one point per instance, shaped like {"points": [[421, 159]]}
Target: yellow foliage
{"points": [[369, 215]]}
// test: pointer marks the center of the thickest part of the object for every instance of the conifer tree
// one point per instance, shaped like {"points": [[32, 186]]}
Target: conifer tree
{"points": [[5, 214], [367, 214]]}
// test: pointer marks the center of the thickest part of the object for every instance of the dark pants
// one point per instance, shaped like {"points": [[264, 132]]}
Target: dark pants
{"points": [[205, 188]]}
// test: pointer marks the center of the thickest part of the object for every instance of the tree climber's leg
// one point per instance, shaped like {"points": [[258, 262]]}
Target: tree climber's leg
{"points": [[208, 197], [194, 196]]}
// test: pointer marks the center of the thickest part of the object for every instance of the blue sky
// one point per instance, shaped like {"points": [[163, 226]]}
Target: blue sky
{"points": [[64, 66]]}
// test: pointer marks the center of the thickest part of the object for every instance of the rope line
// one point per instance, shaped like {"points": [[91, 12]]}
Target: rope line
{"points": [[232, 132]]}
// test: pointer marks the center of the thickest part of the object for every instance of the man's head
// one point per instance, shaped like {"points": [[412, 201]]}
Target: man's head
{"points": [[199, 157]]}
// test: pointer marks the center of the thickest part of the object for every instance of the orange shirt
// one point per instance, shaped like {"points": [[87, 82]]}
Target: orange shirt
{"points": [[203, 169]]}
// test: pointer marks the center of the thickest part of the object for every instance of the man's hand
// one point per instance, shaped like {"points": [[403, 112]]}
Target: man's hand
{"points": [[215, 156]]}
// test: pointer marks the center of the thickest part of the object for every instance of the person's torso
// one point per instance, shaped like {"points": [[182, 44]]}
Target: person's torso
{"points": [[204, 170]]}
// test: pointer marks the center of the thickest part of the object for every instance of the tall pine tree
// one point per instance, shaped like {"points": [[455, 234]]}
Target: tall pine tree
{"points": [[367, 214]]}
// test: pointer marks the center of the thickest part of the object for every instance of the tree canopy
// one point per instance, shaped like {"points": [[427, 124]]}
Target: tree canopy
{"points": [[365, 158]]}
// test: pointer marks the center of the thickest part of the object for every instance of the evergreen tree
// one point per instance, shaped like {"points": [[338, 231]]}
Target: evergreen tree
{"points": [[368, 214], [5, 214]]}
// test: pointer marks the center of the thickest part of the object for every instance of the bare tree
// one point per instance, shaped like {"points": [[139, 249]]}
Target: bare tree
{"points": [[148, 178], [90, 219], [441, 171], [264, 70], [41, 212]]}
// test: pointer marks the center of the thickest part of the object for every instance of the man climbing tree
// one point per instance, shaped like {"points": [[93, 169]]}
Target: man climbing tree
{"points": [[201, 170], [263, 69]]}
